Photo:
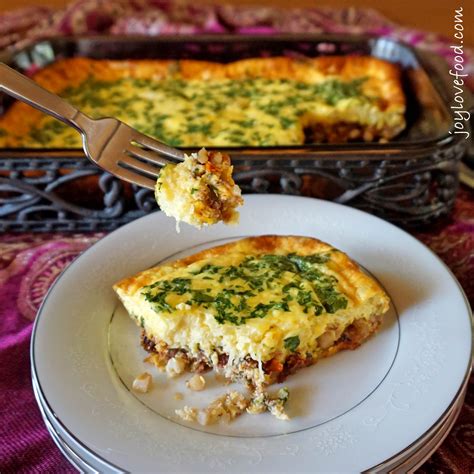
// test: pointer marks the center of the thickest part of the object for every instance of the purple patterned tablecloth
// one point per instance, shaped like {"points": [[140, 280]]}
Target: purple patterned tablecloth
{"points": [[29, 263]]}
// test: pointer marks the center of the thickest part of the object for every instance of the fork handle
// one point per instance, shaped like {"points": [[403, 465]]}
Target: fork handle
{"points": [[22, 88]]}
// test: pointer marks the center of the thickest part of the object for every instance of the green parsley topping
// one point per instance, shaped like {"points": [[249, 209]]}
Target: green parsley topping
{"points": [[333, 91], [197, 113], [292, 343], [310, 287]]}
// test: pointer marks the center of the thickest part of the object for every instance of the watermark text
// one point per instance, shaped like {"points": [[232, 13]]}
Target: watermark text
{"points": [[461, 116]]}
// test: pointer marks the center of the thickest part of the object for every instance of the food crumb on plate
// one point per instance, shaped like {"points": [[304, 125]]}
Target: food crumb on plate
{"points": [[142, 383], [262, 402], [175, 366], [229, 406], [226, 407], [196, 382]]}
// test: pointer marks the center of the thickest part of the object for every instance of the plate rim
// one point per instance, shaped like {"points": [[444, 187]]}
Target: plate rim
{"points": [[431, 434], [45, 410]]}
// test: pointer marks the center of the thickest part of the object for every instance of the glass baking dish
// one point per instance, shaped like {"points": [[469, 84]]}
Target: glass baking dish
{"points": [[412, 180]]}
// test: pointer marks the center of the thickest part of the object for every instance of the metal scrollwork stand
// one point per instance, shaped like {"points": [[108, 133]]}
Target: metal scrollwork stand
{"points": [[407, 192]]}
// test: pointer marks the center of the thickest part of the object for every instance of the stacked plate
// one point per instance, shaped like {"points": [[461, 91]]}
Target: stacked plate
{"points": [[384, 407]]}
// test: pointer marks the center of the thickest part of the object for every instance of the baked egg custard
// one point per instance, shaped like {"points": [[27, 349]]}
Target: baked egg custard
{"points": [[258, 102], [256, 309]]}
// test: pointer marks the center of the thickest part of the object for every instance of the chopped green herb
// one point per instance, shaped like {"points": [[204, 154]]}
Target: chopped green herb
{"points": [[200, 297], [284, 393], [331, 299], [286, 122], [310, 287], [201, 109], [204, 128], [262, 310], [292, 343], [333, 91]]}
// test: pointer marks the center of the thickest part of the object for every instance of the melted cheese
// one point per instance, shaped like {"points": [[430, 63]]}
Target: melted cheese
{"points": [[222, 112]]}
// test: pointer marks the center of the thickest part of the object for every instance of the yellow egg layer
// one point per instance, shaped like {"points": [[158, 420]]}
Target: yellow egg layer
{"points": [[220, 112], [266, 305]]}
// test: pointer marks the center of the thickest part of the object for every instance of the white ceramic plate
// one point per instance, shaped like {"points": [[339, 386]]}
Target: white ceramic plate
{"points": [[81, 458], [85, 461], [350, 412]]}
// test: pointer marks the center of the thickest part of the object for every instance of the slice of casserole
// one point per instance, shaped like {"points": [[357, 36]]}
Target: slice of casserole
{"points": [[256, 309], [200, 190]]}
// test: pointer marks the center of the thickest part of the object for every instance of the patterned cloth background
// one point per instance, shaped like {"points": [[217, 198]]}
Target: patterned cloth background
{"points": [[155, 17], [29, 263]]}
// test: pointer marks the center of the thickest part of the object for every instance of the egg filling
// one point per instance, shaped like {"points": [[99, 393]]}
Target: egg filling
{"points": [[256, 314]]}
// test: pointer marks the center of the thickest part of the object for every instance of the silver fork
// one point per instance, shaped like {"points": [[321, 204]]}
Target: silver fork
{"points": [[109, 143]]}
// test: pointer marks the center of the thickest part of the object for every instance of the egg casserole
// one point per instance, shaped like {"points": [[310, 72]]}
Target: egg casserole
{"points": [[279, 101], [254, 310], [200, 190]]}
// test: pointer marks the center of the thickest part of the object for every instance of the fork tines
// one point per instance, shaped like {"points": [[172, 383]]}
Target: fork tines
{"points": [[156, 146], [144, 158], [125, 172]]}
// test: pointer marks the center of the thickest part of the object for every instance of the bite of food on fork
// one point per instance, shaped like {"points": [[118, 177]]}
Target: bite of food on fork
{"points": [[200, 190], [197, 189]]}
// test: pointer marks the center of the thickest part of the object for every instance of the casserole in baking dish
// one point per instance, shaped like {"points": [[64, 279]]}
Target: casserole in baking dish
{"points": [[251, 102]]}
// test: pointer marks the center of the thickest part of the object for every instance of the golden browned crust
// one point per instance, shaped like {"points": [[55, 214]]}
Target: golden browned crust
{"points": [[73, 71], [383, 80]]}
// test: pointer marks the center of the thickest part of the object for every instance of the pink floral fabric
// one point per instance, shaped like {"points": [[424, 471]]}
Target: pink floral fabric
{"points": [[29, 263], [155, 17]]}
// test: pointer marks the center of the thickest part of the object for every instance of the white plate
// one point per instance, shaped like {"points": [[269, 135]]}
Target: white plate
{"points": [[81, 458], [85, 461], [385, 395]]}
